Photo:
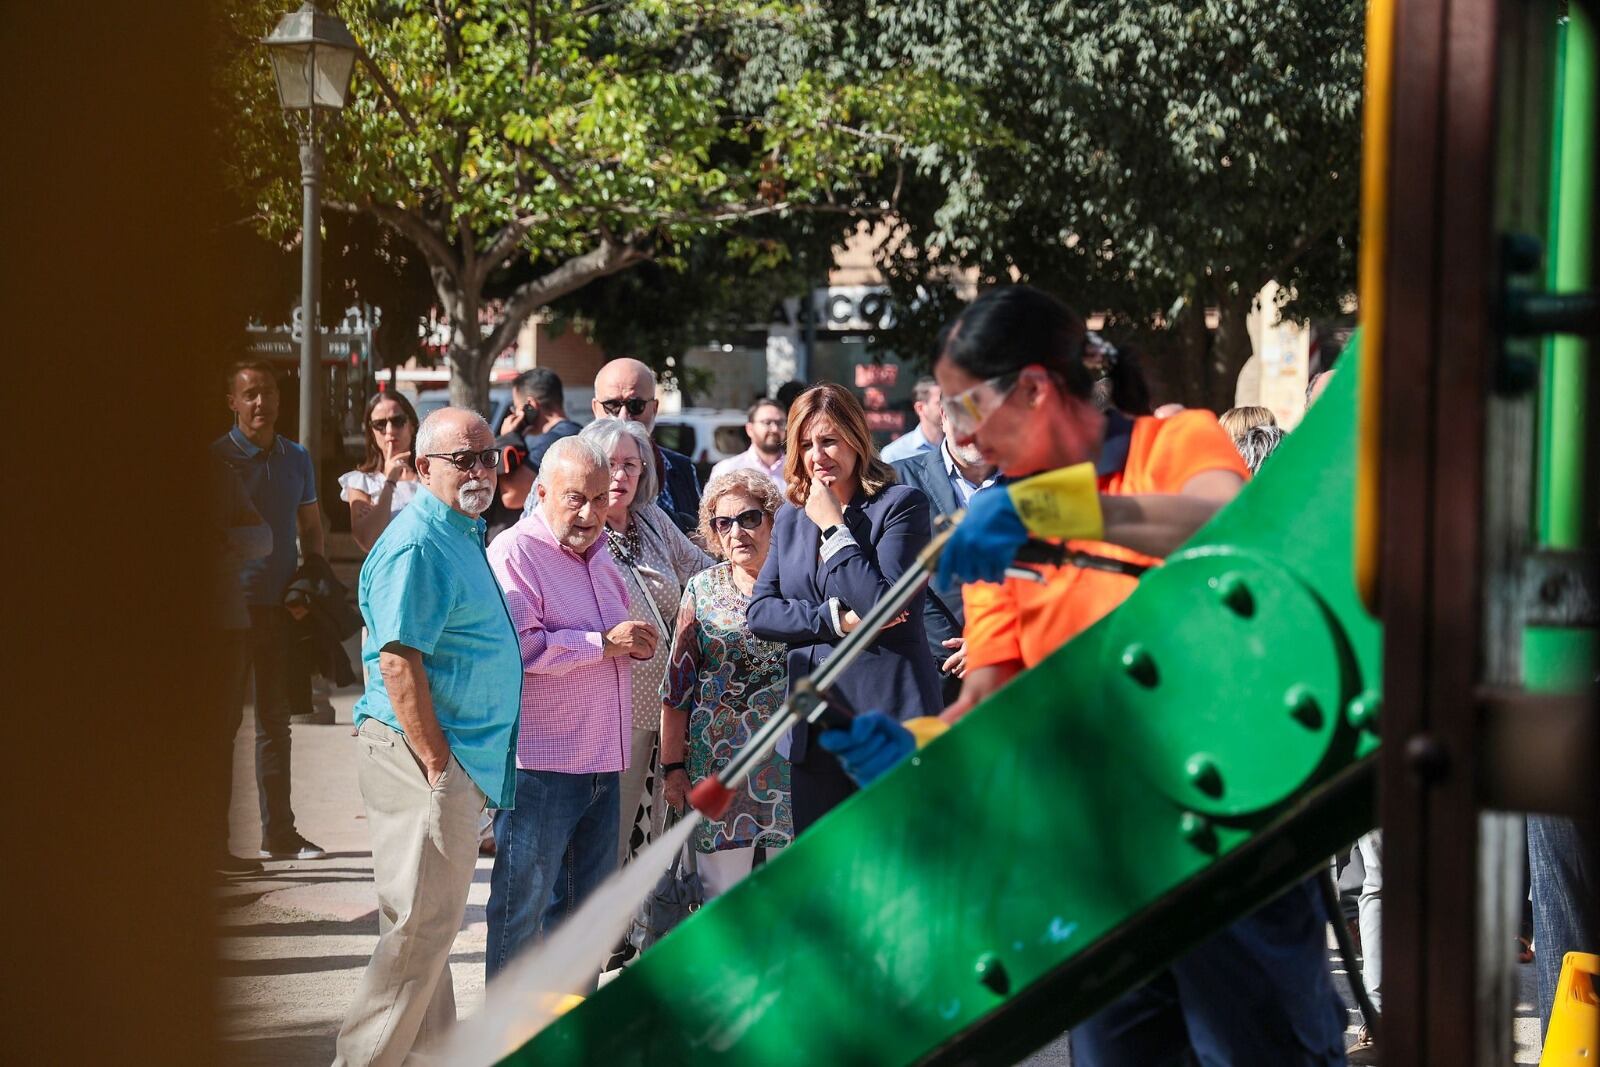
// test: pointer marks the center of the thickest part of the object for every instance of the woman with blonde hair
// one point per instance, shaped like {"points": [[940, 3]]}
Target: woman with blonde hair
{"points": [[846, 535], [1238, 421], [724, 683]]}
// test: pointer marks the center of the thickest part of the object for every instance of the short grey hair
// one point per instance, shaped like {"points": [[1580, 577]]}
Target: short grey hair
{"points": [[752, 483], [1257, 443], [569, 450], [429, 430], [606, 433]]}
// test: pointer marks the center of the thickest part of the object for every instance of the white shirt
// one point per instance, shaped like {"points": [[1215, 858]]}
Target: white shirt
{"points": [[958, 481], [749, 460], [371, 483], [911, 443]]}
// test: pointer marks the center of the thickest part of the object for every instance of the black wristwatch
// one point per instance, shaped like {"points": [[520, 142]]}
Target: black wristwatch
{"points": [[829, 531], [668, 768]]}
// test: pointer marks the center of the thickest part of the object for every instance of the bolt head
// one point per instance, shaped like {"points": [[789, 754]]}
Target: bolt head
{"points": [[1204, 774], [992, 974], [1235, 594], [1196, 829], [1363, 712], [1139, 665], [1303, 707]]}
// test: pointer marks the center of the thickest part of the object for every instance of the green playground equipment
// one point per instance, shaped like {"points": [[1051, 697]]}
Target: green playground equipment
{"points": [[1174, 766], [1206, 745]]}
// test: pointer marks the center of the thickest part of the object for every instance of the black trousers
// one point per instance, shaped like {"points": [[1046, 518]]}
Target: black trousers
{"points": [[817, 785], [235, 649], [269, 659]]}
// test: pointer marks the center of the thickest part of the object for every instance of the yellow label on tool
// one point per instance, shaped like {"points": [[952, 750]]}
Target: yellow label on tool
{"points": [[1061, 503]]}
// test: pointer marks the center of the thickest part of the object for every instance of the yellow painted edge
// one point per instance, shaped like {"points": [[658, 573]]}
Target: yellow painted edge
{"points": [[1375, 164]]}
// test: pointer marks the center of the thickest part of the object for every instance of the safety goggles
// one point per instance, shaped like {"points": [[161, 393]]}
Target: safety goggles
{"points": [[747, 520], [463, 461], [967, 410], [393, 422], [635, 405]]}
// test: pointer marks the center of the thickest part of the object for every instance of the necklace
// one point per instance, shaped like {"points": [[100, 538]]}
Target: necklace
{"points": [[739, 578], [625, 547]]}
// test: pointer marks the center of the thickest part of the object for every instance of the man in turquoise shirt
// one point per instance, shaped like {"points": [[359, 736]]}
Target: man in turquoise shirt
{"points": [[438, 729]]}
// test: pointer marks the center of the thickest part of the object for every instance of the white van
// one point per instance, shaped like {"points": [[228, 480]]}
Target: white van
{"points": [[705, 435]]}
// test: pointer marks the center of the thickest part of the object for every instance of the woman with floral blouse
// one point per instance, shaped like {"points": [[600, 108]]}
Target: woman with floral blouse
{"points": [[723, 683]]}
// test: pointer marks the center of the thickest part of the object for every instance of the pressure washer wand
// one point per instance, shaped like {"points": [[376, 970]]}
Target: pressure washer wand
{"points": [[811, 699]]}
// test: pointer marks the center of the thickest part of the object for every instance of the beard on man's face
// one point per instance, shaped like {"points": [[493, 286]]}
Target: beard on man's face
{"points": [[475, 496]]}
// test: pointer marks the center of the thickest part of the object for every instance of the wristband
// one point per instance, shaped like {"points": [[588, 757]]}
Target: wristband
{"points": [[668, 768]]}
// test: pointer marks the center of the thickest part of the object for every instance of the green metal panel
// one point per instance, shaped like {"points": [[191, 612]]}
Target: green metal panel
{"points": [[1557, 659], [1560, 659], [1054, 820], [1566, 490]]}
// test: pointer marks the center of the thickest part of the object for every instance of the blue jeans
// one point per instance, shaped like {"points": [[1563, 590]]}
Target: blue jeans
{"points": [[551, 851], [1564, 891], [1257, 993]]}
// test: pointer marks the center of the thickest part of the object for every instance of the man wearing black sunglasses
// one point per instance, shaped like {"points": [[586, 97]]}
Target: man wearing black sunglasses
{"points": [[626, 389]]}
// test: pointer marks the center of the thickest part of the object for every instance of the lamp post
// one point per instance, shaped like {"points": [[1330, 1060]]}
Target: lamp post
{"points": [[313, 59]]}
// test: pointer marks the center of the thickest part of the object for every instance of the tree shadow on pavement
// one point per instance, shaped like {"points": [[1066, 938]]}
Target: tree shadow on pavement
{"points": [[281, 1050], [304, 928]]}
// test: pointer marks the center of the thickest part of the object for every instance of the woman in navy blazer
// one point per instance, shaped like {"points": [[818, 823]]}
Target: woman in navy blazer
{"points": [[846, 535]]}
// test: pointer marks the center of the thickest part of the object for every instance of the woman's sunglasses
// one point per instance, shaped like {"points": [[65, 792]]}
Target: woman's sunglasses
{"points": [[747, 520], [634, 405], [393, 422]]}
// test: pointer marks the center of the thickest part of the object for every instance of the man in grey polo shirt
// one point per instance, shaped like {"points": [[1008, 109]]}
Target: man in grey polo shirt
{"points": [[437, 726]]}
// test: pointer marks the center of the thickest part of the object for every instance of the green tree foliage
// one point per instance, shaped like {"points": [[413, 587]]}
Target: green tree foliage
{"points": [[1149, 160], [528, 149]]}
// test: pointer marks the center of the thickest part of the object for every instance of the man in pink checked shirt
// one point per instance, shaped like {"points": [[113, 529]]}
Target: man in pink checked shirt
{"points": [[569, 605]]}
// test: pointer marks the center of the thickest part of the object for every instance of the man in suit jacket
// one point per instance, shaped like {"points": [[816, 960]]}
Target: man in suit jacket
{"points": [[626, 389], [949, 476]]}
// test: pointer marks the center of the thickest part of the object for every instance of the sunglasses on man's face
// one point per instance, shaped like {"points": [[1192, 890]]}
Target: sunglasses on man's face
{"points": [[393, 422], [463, 461], [635, 406], [747, 520]]}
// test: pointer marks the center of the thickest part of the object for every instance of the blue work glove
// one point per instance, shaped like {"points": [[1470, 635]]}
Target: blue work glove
{"points": [[985, 541], [873, 744]]}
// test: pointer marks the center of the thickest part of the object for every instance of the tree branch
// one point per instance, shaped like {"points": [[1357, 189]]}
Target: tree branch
{"points": [[609, 257], [505, 242], [446, 175], [435, 249]]}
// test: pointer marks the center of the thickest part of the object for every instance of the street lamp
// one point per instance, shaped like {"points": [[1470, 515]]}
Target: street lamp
{"points": [[313, 58]]}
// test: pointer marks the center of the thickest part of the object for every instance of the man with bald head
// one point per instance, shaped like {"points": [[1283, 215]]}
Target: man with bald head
{"points": [[437, 726], [570, 608], [626, 389]]}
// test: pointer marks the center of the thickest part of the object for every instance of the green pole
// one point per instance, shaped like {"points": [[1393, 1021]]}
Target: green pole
{"points": [[1565, 657]]}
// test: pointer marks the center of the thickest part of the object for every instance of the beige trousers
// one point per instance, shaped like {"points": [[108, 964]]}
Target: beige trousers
{"points": [[424, 849]]}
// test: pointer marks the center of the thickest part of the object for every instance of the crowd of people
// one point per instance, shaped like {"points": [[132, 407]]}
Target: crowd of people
{"points": [[565, 633]]}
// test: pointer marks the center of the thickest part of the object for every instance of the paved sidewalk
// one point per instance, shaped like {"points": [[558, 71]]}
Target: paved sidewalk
{"points": [[295, 939]]}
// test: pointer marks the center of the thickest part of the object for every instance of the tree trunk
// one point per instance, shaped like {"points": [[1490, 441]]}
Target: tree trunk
{"points": [[469, 378], [1192, 354], [1229, 351]]}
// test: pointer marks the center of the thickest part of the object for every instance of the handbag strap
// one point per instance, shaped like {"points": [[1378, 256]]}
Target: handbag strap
{"points": [[649, 600], [685, 856]]}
